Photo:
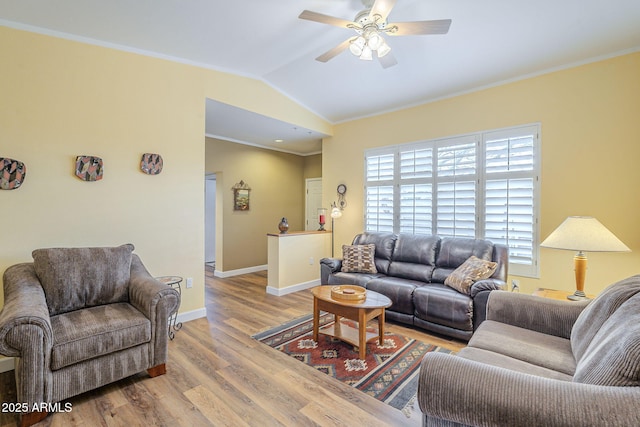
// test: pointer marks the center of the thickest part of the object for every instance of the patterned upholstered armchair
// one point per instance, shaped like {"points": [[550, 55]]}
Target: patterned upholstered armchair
{"points": [[76, 319]]}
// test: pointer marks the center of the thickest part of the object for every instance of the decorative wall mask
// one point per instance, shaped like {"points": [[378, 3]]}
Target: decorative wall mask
{"points": [[89, 168], [151, 163], [12, 173], [241, 196]]}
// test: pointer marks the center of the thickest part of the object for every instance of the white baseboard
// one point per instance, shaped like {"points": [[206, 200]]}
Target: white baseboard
{"points": [[294, 288], [192, 315], [7, 364], [238, 272]]}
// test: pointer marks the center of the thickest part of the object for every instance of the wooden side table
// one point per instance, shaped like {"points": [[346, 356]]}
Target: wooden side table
{"points": [[555, 294], [174, 282]]}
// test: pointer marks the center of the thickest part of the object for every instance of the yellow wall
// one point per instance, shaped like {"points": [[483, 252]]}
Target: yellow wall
{"points": [[277, 190], [590, 146], [313, 166], [61, 99]]}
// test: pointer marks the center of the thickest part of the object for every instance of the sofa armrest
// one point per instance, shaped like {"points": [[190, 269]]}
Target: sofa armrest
{"points": [[487, 285], [548, 316], [157, 302], [25, 309], [472, 393], [26, 333], [329, 266]]}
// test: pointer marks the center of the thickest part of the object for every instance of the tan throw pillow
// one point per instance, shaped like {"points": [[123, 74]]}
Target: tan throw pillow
{"points": [[359, 259], [472, 270]]}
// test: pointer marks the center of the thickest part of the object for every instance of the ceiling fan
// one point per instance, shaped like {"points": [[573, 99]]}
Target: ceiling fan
{"points": [[370, 25]]}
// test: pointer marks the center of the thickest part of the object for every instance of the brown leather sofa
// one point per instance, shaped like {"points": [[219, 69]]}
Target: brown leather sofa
{"points": [[411, 271]]}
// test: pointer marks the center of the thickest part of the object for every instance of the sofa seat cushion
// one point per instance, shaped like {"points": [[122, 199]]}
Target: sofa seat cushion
{"points": [[77, 278], [440, 304], [399, 291], [359, 279], [85, 334], [501, 361], [547, 351]]}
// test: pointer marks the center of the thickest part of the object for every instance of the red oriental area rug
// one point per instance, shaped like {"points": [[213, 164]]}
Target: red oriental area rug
{"points": [[389, 372]]}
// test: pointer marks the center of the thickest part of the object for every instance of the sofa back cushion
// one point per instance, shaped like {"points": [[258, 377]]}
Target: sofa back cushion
{"points": [[599, 311], [613, 355], [76, 278], [454, 251], [385, 244], [414, 257]]}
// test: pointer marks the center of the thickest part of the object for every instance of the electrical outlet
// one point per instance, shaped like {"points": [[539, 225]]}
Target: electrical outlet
{"points": [[310, 260], [189, 282], [515, 285]]}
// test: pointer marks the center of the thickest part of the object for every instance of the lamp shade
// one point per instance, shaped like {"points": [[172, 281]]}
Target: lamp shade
{"points": [[584, 233]]}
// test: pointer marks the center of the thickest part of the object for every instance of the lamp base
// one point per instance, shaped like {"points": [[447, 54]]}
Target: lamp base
{"points": [[578, 296]]}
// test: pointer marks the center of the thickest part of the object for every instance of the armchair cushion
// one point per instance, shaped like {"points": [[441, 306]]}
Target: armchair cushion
{"points": [[469, 272], [86, 334], [76, 278], [547, 351]]}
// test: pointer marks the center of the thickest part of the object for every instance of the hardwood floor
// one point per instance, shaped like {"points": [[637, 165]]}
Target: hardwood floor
{"points": [[217, 375]]}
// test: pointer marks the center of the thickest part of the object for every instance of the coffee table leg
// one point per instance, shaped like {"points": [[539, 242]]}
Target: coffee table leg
{"points": [[362, 333], [381, 327], [316, 319], [336, 325]]}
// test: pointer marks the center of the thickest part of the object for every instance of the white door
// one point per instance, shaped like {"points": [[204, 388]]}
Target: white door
{"points": [[314, 201], [210, 219]]}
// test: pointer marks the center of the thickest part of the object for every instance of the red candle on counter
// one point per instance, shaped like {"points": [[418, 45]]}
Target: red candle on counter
{"points": [[322, 219]]}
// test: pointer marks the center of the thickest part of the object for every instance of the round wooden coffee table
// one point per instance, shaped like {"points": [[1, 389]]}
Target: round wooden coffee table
{"points": [[361, 311]]}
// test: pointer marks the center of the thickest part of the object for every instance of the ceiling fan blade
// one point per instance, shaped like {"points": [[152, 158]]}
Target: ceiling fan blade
{"points": [[335, 51], [382, 8], [326, 19], [417, 28], [388, 60]]}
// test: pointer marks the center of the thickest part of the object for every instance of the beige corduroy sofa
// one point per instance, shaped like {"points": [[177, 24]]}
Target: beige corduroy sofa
{"points": [[79, 318], [542, 362]]}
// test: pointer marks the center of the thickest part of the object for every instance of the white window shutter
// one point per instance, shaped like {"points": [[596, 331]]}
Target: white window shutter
{"points": [[482, 185]]}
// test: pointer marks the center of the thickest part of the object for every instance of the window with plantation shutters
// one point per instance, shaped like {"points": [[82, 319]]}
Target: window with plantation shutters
{"points": [[482, 185]]}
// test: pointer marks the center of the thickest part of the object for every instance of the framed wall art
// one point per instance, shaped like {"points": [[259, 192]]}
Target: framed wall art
{"points": [[151, 163], [12, 173], [241, 196], [89, 168]]}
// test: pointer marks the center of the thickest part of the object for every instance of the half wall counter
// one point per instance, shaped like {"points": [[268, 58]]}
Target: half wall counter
{"points": [[294, 260]]}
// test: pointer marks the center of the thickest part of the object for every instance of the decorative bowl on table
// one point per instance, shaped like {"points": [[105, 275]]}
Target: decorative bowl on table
{"points": [[348, 293]]}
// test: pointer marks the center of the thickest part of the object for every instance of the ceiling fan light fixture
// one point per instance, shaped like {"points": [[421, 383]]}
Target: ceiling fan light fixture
{"points": [[371, 26], [383, 49], [367, 54], [357, 45], [374, 39]]}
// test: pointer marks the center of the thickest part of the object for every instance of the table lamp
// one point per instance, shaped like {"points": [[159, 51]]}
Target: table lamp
{"points": [[583, 234]]}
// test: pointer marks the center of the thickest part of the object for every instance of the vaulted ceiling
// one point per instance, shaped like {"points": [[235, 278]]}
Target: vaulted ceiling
{"points": [[489, 42]]}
